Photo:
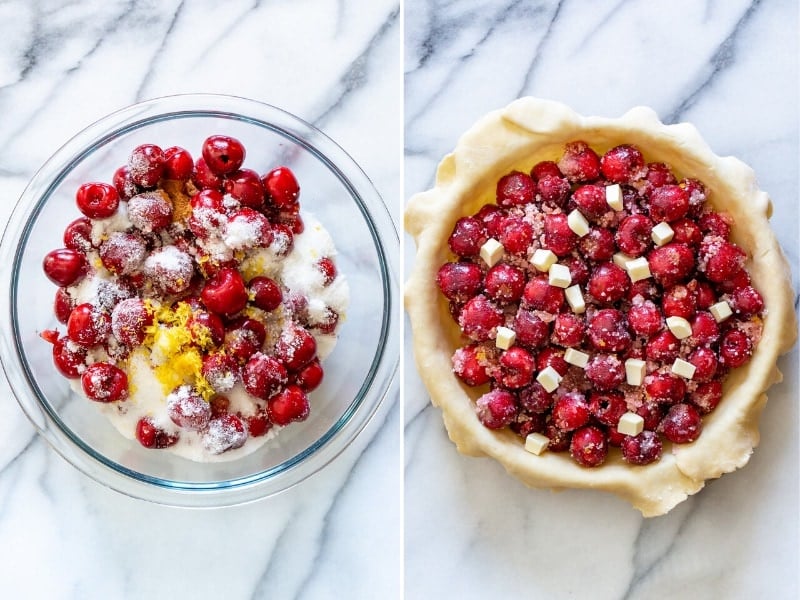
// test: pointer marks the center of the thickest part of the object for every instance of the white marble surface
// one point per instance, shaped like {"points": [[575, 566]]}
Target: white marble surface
{"points": [[729, 67], [64, 64]]}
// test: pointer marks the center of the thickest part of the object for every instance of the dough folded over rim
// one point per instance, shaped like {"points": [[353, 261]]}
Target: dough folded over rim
{"points": [[530, 130]]}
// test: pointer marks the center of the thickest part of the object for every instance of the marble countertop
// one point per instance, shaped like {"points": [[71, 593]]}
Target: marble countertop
{"points": [[64, 64], [730, 68]]}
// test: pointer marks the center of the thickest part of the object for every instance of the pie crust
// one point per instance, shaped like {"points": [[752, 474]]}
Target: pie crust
{"points": [[530, 130]]}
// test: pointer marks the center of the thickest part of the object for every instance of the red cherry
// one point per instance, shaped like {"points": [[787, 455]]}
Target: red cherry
{"points": [[747, 301], [186, 408], [220, 371], [570, 411], [328, 269], [178, 163], [668, 203], [295, 347], [671, 264], [607, 407], [515, 189], [517, 368], [479, 318], [226, 432], [496, 409], [735, 349], [598, 244], [64, 266], [504, 283], [644, 318], [150, 436], [146, 164], [591, 201], [558, 236], [97, 200], [633, 236], [678, 301], [264, 376], [531, 330], [223, 154], [459, 281], [169, 269], [204, 178], [310, 377], [605, 371], [622, 164], [705, 363], [124, 184], [665, 388], [686, 232], [707, 396], [282, 188], [540, 295], [103, 382], [579, 162], [150, 211], [69, 358], [535, 399], [78, 235], [467, 237], [244, 338], [568, 330], [469, 364], [290, 404], [704, 328], [642, 449], [682, 424], [87, 325], [258, 424], [608, 283], [516, 235], [265, 293], [129, 321], [247, 228], [553, 190], [123, 253], [663, 347], [63, 305], [545, 168], [720, 260], [552, 357], [589, 446], [207, 329], [716, 224], [245, 185], [225, 292]]}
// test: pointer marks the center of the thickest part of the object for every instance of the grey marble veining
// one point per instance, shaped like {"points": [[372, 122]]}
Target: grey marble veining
{"points": [[730, 68], [65, 64]]}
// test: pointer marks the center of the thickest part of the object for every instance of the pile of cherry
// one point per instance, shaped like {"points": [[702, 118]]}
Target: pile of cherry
{"points": [[691, 274], [175, 258]]}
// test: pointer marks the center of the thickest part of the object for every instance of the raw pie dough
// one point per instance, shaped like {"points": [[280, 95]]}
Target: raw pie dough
{"points": [[530, 130]]}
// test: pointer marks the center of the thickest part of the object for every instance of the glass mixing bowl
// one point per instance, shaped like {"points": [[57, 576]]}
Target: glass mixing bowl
{"points": [[358, 374]]}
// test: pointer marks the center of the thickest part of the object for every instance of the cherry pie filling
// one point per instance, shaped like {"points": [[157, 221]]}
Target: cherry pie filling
{"points": [[200, 282], [602, 302]]}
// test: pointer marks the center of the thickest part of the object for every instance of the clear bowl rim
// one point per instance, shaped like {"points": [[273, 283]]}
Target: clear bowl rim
{"points": [[381, 378]]}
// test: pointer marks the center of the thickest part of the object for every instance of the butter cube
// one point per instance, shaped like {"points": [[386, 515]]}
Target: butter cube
{"points": [[662, 234], [549, 378], [559, 276], [578, 223], [492, 251], [683, 368], [720, 311], [505, 338], [575, 299], [630, 424], [576, 357], [679, 327], [621, 259], [543, 259], [536, 443], [614, 196], [635, 370], [638, 269]]}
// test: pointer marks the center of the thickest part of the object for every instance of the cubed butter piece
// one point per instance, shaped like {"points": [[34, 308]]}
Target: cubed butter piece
{"points": [[559, 276], [614, 196], [549, 378], [662, 234], [576, 357], [638, 269], [630, 424], [578, 223], [575, 299], [505, 338], [492, 251], [621, 259], [634, 371], [536, 443], [679, 327], [543, 259], [720, 311], [683, 368]]}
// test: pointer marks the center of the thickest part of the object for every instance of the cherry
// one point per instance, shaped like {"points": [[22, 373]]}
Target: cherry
{"points": [[130, 320], [642, 449], [204, 178], [705, 363], [589, 446], [264, 376], [310, 377], [258, 424], [644, 318], [504, 283], [327, 267], [558, 236], [247, 228], [69, 358], [559, 440], [715, 224], [652, 412], [186, 408], [568, 330], [220, 371], [704, 328], [545, 168], [682, 424], [146, 165], [570, 411], [622, 164], [553, 190], [63, 305], [665, 388], [245, 185], [735, 349], [290, 404], [207, 329], [746, 301], [579, 162], [657, 175], [678, 301], [607, 407], [124, 184], [707, 396], [552, 357], [295, 347], [598, 244], [64, 266], [720, 260], [608, 283], [459, 281], [517, 368], [223, 154], [224, 433], [591, 201], [467, 237], [515, 189], [225, 292], [605, 371], [492, 217], [97, 200], [530, 329], [150, 211], [265, 293], [169, 269], [282, 188], [535, 399], [87, 325], [516, 235], [178, 163], [496, 409], [480, 318], [686, 232], [663, 347], [633, 235], [697, 194], [540, 295], [244, 338], [151, 436], [671, 263], [103, 382], [123, 253], [78, 235], [668, 203]]}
